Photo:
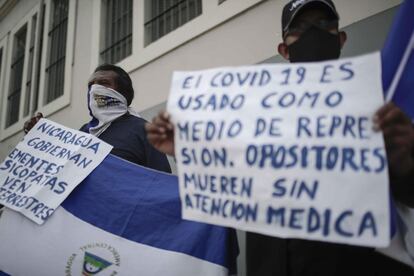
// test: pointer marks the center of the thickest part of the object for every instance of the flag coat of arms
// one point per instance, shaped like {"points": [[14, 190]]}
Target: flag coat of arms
{"points": [[122, 220]]}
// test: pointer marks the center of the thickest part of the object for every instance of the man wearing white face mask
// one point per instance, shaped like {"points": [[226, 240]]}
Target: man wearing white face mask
{"points": [[110, 93]]}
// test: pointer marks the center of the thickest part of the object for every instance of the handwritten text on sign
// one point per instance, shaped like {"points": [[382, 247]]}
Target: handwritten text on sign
{"points": [[46, 166], [286, 150]]}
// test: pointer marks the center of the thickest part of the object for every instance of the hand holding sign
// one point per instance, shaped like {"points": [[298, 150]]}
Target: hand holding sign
{"points": [[399, 136], [161, 133], [399, 142], [29, 124]]}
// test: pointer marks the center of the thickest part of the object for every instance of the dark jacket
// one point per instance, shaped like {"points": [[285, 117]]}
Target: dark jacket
{"points": [[129, 140], [269, 256]]}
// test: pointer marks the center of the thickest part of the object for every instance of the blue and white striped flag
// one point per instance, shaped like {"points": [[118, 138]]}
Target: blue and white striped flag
{"points": [[122, 220], [398, 60], [398, 83]]}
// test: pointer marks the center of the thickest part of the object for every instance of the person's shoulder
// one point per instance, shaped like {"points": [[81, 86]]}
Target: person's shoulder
{"points": [[84, 128], [129, 124], [131, 119]]}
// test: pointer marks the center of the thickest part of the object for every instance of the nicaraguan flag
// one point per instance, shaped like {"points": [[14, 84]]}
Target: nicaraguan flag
{"points": [[398, 60], [398, 82], [123, 219]]}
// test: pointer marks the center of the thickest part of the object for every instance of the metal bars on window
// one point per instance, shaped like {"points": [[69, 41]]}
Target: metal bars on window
{"points": [[1, 62], [16, 70], [57, 52], [117, 31], [164, 16], [36, 81], [1, 68], [29, 81]]}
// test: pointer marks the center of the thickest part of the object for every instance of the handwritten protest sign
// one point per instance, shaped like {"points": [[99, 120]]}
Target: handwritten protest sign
{"points": [[46, 166], [285, 150]]}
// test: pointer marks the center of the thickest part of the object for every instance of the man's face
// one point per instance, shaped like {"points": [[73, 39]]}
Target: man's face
{"points": [[311, 16], [312, 36], [104, 78]]}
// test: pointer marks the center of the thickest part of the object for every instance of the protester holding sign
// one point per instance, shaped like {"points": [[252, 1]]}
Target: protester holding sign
{"points": [[110, 94], [38, 174], [310, 32], [140, 200]]}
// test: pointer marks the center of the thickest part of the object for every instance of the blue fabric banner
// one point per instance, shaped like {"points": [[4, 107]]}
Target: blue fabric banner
{"points": [[124, 219], [143, 205], [398, 60]]}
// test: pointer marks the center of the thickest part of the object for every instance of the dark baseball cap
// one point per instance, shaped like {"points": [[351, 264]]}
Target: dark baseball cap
{"points": [[292, 8]]}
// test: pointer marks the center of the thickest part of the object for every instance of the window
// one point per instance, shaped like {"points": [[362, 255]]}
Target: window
{"points": [[134, 40], [19, 71], [55, 70], [16, 76], [3, 58], [37, 65], [36, 70], [117, 41], [164, 16]]}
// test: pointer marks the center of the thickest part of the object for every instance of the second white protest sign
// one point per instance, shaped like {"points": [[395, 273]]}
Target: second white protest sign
{"points": [[46, 166]]}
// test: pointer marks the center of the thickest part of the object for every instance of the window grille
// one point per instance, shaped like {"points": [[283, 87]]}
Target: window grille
{"points": [[57, 52], [39, 58], [1, 67], [16, 70], [1, 61], [29, 81], [164, 16], [117, 42]]}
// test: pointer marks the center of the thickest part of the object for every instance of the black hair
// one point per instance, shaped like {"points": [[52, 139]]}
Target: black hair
{"points": [[123, 81]]}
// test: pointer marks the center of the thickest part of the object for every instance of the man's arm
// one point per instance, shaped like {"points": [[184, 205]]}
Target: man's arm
{"points": [[399, 143]]}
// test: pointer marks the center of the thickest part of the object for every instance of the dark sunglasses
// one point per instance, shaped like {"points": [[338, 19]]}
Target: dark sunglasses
{"points": [[302, 26]]}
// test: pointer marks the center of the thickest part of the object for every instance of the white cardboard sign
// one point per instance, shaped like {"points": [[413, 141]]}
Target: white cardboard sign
{"points": [[285, 150]]}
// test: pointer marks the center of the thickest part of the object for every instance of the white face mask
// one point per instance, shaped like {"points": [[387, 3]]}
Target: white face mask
{"points": [[105, 105]]}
